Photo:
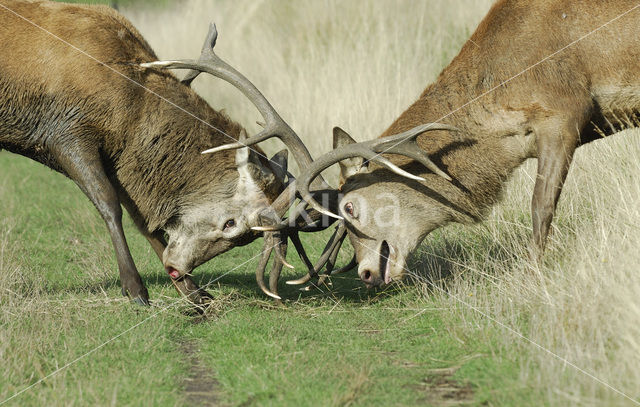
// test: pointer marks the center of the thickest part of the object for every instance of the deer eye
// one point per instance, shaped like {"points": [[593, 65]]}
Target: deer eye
{"points": [[348, 208], [230, 223]]}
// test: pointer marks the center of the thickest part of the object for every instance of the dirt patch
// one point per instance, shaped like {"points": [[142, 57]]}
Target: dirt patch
{"points": [[200, 387], [442, 390]]}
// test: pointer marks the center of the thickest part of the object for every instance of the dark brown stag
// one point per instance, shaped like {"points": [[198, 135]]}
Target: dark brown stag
{"points": [[75, 97], [536, 79]]}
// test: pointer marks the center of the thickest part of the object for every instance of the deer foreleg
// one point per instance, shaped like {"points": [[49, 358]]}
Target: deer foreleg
{"points": [[86, 170], [555, 152]]}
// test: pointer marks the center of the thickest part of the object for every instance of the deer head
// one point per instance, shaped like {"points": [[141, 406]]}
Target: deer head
{"points": [[386, 215], [381, 206], [207, 228], [249, 211]]}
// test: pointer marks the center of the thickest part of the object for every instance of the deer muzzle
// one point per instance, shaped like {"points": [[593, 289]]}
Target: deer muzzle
{"points": [[378, 271]]}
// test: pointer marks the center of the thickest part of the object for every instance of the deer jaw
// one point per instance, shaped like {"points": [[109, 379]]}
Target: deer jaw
{"points": [[386, 218]]}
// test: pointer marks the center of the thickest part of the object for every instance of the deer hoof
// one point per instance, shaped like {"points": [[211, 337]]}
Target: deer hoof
{"points": [[141, 301]]}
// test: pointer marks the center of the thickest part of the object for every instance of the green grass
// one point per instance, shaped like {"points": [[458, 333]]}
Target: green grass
{"points": [[335, 346], [452, 335]]}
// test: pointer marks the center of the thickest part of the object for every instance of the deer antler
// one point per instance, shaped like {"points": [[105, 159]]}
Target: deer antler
{"points": [[274, 125], [328, 257], [277, 232], [402, 144], [272, 242]]}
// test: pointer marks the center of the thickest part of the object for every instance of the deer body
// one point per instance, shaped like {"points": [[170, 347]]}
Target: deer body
{"points": [[519, 88], [126, 135]]}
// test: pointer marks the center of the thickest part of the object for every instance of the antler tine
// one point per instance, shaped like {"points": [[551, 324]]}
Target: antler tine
{"points": [[341, 234], [412, 134], [405, 144], [331, 261], [209, 43], [274, 276], [295, 239], [350, 266], [386, 163], [313, 271], [280, 255], [276, 268], [264, 259], [275, 126], [371, 151], [332, 246]]}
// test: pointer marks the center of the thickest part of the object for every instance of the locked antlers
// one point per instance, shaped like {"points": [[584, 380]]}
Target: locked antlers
{"points": [[277, 232], [275, 126]]}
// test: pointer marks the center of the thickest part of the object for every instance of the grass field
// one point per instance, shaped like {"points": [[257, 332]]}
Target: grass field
{"points": [[478, 325]]}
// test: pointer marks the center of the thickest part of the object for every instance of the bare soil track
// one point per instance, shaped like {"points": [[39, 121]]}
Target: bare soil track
{"points": [[200, 386], [441, 389]]}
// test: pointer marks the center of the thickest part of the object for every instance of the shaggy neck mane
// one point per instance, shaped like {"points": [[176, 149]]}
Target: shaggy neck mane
{"points": [[161, 169]]}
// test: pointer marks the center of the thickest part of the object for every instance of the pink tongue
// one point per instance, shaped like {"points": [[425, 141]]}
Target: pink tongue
{"points": [[173, 273]]}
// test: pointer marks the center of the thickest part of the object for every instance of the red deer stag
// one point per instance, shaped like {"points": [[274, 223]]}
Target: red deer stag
{"points": [[536, 79], [75, 98]]}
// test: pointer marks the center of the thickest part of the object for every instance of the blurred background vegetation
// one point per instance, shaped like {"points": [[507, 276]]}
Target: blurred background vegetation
{"points": [[119, 3]]}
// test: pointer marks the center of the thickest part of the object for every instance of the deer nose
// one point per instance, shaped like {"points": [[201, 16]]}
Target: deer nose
{"points": [[370, 278]]}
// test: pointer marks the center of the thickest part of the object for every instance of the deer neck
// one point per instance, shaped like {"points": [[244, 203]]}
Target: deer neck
{"points": [[492, 142], [159, 167]]}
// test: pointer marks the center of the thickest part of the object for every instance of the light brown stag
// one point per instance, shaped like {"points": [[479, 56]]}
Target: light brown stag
{"points": [[536, 79], [74, 96]]}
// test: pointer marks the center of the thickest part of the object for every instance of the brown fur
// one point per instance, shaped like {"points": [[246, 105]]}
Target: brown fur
{"points": [[66, 110], [144, 140], [528, 105]]}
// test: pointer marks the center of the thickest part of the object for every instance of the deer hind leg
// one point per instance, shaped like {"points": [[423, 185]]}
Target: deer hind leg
{"points": [[184, 285], [555, 148], [86, 170]]}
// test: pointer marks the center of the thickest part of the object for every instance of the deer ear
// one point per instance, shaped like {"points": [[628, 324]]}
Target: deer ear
{"points": [[258, 175], [341, 138], [279, 164], [350, 166]]}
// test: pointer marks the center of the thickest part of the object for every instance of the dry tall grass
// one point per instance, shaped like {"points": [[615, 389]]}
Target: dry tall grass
{"points": [[583, 303], [358, 65], [321, 63]]}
